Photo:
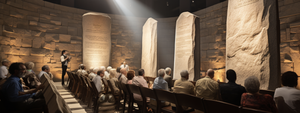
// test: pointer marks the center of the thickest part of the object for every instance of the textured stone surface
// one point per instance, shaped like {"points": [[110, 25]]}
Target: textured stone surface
{"points": [[96, 39], [64, 38], [251, 45], [149, 48], [184, 45]]}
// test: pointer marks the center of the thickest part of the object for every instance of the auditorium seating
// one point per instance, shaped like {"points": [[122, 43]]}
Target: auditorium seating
{"points": [[90, 95]]}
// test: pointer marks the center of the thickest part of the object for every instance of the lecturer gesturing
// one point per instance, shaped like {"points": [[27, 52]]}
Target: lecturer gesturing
{"points": [[64, 59]]}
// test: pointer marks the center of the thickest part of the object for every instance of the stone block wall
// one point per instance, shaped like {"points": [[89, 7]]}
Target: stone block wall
{"points": [[213, 39], [37, 31], [289, 15]]}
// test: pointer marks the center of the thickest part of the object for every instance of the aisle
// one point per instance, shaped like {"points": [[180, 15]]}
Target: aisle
{"points": [[77, 106]]}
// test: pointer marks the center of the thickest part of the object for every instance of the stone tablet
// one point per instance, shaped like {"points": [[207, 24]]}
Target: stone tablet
{"points": [[252, 41], [185, 45], [149, 48], [96, 39]]}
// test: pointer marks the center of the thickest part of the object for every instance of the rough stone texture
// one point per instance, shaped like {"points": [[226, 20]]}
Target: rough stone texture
{"points": [[149, 48], [96, 39], [252, 45], [184, 45]]}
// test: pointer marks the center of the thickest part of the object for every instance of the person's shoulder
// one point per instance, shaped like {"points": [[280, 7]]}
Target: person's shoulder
{"points": [[267, 96]]}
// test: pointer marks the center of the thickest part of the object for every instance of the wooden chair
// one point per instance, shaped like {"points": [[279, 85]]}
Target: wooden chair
{"points": [[282, 106], [83, 89], [135, 90], [127, 97], [190, 101], [106, 87], [116, 95], [250, 110], [163, 95], [270, 92], [146, 92], [90, 94], [215, 106], [71, 80], [96, 96]]}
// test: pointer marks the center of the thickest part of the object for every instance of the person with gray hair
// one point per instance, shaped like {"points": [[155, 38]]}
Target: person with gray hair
{"points": [[159, 82], [81, 70], [253, 99], [93, 73], [207, 87], [183, 86], [168, 78], [30, 78], [3, 69], [45, 71]]}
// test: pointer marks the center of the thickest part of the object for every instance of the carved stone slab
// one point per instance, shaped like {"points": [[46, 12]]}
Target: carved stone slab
{"points": [[149, 48], [96, 39], [252, 44]]}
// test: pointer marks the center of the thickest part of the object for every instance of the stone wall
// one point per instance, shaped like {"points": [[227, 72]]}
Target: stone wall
{"points": [[37, 31], [289, 15]]}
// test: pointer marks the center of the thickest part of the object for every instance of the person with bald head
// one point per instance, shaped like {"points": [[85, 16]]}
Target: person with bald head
{"points": [[122, 78], [231, 92], [207, 87]]}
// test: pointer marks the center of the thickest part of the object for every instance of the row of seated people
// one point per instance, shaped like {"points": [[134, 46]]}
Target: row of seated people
{"points": [[207, 88], [20, 87]]}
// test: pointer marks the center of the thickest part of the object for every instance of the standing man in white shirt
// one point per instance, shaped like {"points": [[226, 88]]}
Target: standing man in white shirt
{"points": [[3, 69], [124, 65], [64, 59]]}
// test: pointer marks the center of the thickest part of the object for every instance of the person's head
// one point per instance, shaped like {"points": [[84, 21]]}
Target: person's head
{"points": [[112, 73], [81, 66], [103, 68], [5, 62], [17, 69], [108, 68], [100, 73], [168, 70], [29, 65], [123, 71], [95, 70], [91, 69], [210, 73], [252, 84], [64, 52], [231, 75], [119, 70], [130, 74], [124, 63], [161, 73], [46, 68], [289, 79], [141, 72], [184, 74]]}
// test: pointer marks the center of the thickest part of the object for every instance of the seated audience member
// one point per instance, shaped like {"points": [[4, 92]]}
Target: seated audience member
{"points": [[93, 74], [183, 86], [106, 76], [130, 76], [81, 70], [141, 82], [118, 72], [107, 72], [90, 70], [98, 80], [30, 78], [13, 95], [168, 77], [3, 69], [159, 82], [231, 92], [207, 87], [290, 94], [113, 80], [45, 71], [253, 99], [122, 78]]}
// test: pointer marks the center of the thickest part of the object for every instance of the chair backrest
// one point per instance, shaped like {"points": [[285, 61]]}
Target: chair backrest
{"points": [[190, 101], [106, 87], [146, 92], [282, 106], [53, 106], [43, 79], [134, 89], [94, 89], [250, 110], [111, 87], [222, 107], [270, 92], [124, 88], [163, 95], [48, 92]]}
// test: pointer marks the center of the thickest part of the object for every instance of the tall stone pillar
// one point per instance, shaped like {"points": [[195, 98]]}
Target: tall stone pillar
{"points": [[96, 39], [186, 46], [252, 41], [149, 48]]}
